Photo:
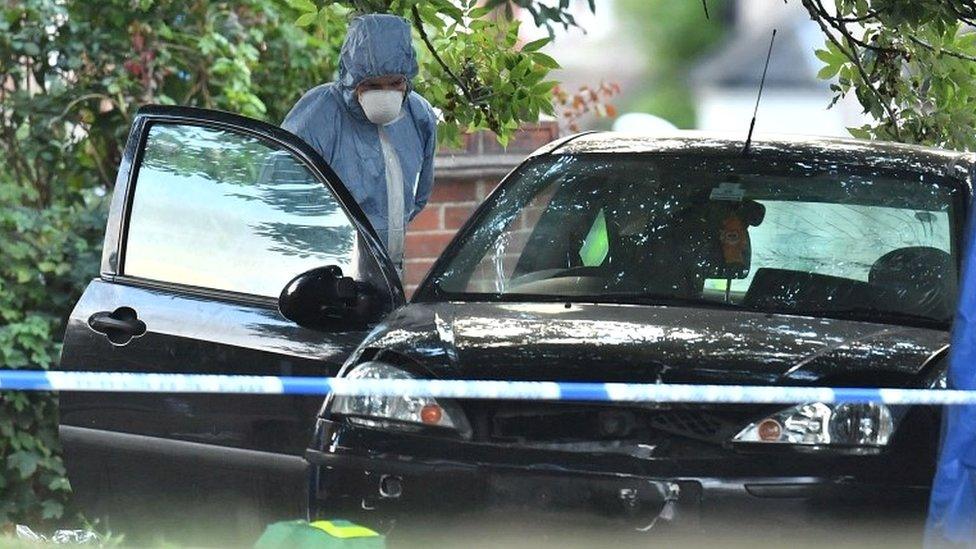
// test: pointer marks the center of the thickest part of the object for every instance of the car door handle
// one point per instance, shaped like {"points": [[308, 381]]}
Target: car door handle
{"points": [[119, 326], [103, 322]]}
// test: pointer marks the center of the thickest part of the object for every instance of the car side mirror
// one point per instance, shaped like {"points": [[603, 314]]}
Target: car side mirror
{"points": [[323, 299]]}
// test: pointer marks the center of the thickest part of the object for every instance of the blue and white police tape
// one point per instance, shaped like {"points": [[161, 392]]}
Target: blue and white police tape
{"points": [[39, 380]]}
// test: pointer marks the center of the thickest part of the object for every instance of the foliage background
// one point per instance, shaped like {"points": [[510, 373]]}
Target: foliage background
{"points": [[674, 35], [72, 75], [472, 67], [910, 64]]}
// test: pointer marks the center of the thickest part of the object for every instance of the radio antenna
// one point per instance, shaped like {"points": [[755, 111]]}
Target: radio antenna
{"points": [[762, 82]]}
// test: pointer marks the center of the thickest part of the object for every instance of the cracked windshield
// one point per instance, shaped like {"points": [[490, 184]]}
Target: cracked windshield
{"points": [[834, 240]]}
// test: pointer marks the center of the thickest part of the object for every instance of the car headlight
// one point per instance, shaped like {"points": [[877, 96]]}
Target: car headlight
{"points": [[397, 412], [819, 424]]}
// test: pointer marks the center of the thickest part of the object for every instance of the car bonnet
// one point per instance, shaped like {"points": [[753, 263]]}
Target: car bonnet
{"points": [[652, 344]]}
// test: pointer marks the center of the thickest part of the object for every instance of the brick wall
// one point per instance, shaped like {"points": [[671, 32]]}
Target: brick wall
{"points": [[463, 177]]}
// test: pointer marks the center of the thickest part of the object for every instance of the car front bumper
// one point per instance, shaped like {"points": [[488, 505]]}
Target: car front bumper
{"points": [[379, 477]]}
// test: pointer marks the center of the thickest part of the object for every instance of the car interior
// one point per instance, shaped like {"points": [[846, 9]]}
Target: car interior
{"points": [[669, 249]]}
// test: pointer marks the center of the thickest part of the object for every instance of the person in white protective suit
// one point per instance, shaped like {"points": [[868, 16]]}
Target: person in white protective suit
{"points": [[376, 133]]}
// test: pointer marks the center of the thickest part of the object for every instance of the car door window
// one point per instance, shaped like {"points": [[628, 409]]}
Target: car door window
{"points": [[218, 209]]}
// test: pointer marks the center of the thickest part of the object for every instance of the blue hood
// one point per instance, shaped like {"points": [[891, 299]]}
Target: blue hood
{"points": [[376, 45]]}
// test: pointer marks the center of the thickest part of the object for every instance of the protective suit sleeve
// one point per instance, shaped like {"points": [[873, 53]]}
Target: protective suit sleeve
{"points": [[313, 119], [425, 183]]}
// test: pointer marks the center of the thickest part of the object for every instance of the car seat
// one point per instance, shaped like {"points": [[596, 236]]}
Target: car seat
{"points": [[918, 280]]}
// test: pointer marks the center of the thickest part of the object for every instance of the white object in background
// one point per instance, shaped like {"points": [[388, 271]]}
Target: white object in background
{"points": [[641, 122]]}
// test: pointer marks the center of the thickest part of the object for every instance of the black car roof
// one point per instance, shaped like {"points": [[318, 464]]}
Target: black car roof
{"points": [[844, 151]]}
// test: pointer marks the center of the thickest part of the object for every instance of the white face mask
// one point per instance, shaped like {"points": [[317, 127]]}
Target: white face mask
{"points": [[381, 106]]}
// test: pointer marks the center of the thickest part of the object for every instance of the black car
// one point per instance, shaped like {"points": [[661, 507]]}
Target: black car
{"points": [[232, 248], [668, 260]]}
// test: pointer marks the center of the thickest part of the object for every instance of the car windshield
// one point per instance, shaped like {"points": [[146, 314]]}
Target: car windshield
{"points": [[785, 237]]}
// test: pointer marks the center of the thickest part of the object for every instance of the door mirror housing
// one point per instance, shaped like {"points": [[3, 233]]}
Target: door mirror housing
{"points": [[324, 299]]}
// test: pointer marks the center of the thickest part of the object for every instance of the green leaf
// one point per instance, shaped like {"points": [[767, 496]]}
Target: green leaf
{"points": [[59, 484], [824, 56], [302, 5], [24, 462], [860, 133], [51, 509], [479, 12], [306, 19], [544, 87], [828, 72], [535, 45], [26, 441], [544, 60]]}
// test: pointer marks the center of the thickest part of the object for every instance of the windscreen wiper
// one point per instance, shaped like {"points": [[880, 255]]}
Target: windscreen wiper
{"points": [[651, 299]]}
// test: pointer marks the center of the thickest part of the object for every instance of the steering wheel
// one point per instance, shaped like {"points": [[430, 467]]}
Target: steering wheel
{"points": [[579, 270]]}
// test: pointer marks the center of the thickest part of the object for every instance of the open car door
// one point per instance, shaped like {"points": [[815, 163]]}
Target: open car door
{"points": [[212, 215]]}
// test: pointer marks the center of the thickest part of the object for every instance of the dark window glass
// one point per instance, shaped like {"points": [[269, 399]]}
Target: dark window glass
{"points": [[217, 209], [762, 235]]}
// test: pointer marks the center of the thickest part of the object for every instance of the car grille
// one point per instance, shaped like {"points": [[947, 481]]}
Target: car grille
{"points": [[520, 422], [690, 423]]}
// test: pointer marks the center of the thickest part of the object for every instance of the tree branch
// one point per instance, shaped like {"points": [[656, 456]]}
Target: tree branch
{"points": [[840, 25], [72, 104], [102, 171], [967, 18], [950, 53], [419, 24], [852, 56], [871, 14]]}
